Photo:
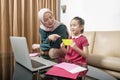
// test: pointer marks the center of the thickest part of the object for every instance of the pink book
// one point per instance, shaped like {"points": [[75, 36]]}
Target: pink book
{"points": [[56, 71], [33, 54], [67, 70]]}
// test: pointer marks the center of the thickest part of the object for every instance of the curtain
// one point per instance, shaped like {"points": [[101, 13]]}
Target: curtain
{"points": [[19, 18]]}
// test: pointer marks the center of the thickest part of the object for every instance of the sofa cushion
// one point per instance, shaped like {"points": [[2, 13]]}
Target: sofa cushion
{"points": [[106, 62], [107, 43], [113, 73]]}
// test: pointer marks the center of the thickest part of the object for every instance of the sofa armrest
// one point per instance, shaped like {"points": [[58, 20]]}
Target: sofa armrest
{"points": [[107, 62]]}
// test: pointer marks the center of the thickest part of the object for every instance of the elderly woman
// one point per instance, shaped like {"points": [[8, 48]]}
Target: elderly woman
{"points": [[51, 32]]}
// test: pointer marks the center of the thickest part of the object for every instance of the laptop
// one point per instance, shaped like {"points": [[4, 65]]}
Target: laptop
{"points": [[21, 54]]}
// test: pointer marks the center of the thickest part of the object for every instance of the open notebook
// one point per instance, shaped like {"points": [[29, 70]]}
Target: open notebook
{"points": [[21, 54]]}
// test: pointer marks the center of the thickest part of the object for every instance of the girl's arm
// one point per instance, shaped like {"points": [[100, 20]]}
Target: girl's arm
{"points": [[83, 52]]}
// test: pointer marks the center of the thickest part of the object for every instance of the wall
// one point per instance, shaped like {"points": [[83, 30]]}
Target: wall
{"points": [[99, 15]]}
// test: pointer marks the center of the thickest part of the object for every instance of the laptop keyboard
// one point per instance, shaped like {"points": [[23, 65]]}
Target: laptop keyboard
{"points": [[36, 64]]}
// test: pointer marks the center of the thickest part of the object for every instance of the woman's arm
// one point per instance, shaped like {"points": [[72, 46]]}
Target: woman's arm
{"points": [[62, 33], [43, 36], [45, 43]]}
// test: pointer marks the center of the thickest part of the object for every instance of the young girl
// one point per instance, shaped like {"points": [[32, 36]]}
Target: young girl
{"points": [[78, 50]]}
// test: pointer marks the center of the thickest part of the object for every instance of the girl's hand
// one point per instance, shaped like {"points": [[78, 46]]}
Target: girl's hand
{"points": [[73, 45], [63, 47], [53, 37]]}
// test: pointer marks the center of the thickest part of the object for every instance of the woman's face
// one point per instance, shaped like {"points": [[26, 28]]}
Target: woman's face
{"points": [[48, 20]]}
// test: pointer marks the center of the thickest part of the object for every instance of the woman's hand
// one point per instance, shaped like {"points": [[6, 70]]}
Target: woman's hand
{"points": [[53, 37], [35, 46]]}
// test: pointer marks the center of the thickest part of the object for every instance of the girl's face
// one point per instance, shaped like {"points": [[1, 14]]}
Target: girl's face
{"points": [[75, 27], [48, 20]]}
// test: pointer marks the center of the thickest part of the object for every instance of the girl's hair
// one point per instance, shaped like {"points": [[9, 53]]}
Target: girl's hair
{"points": [[80, 21]]}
